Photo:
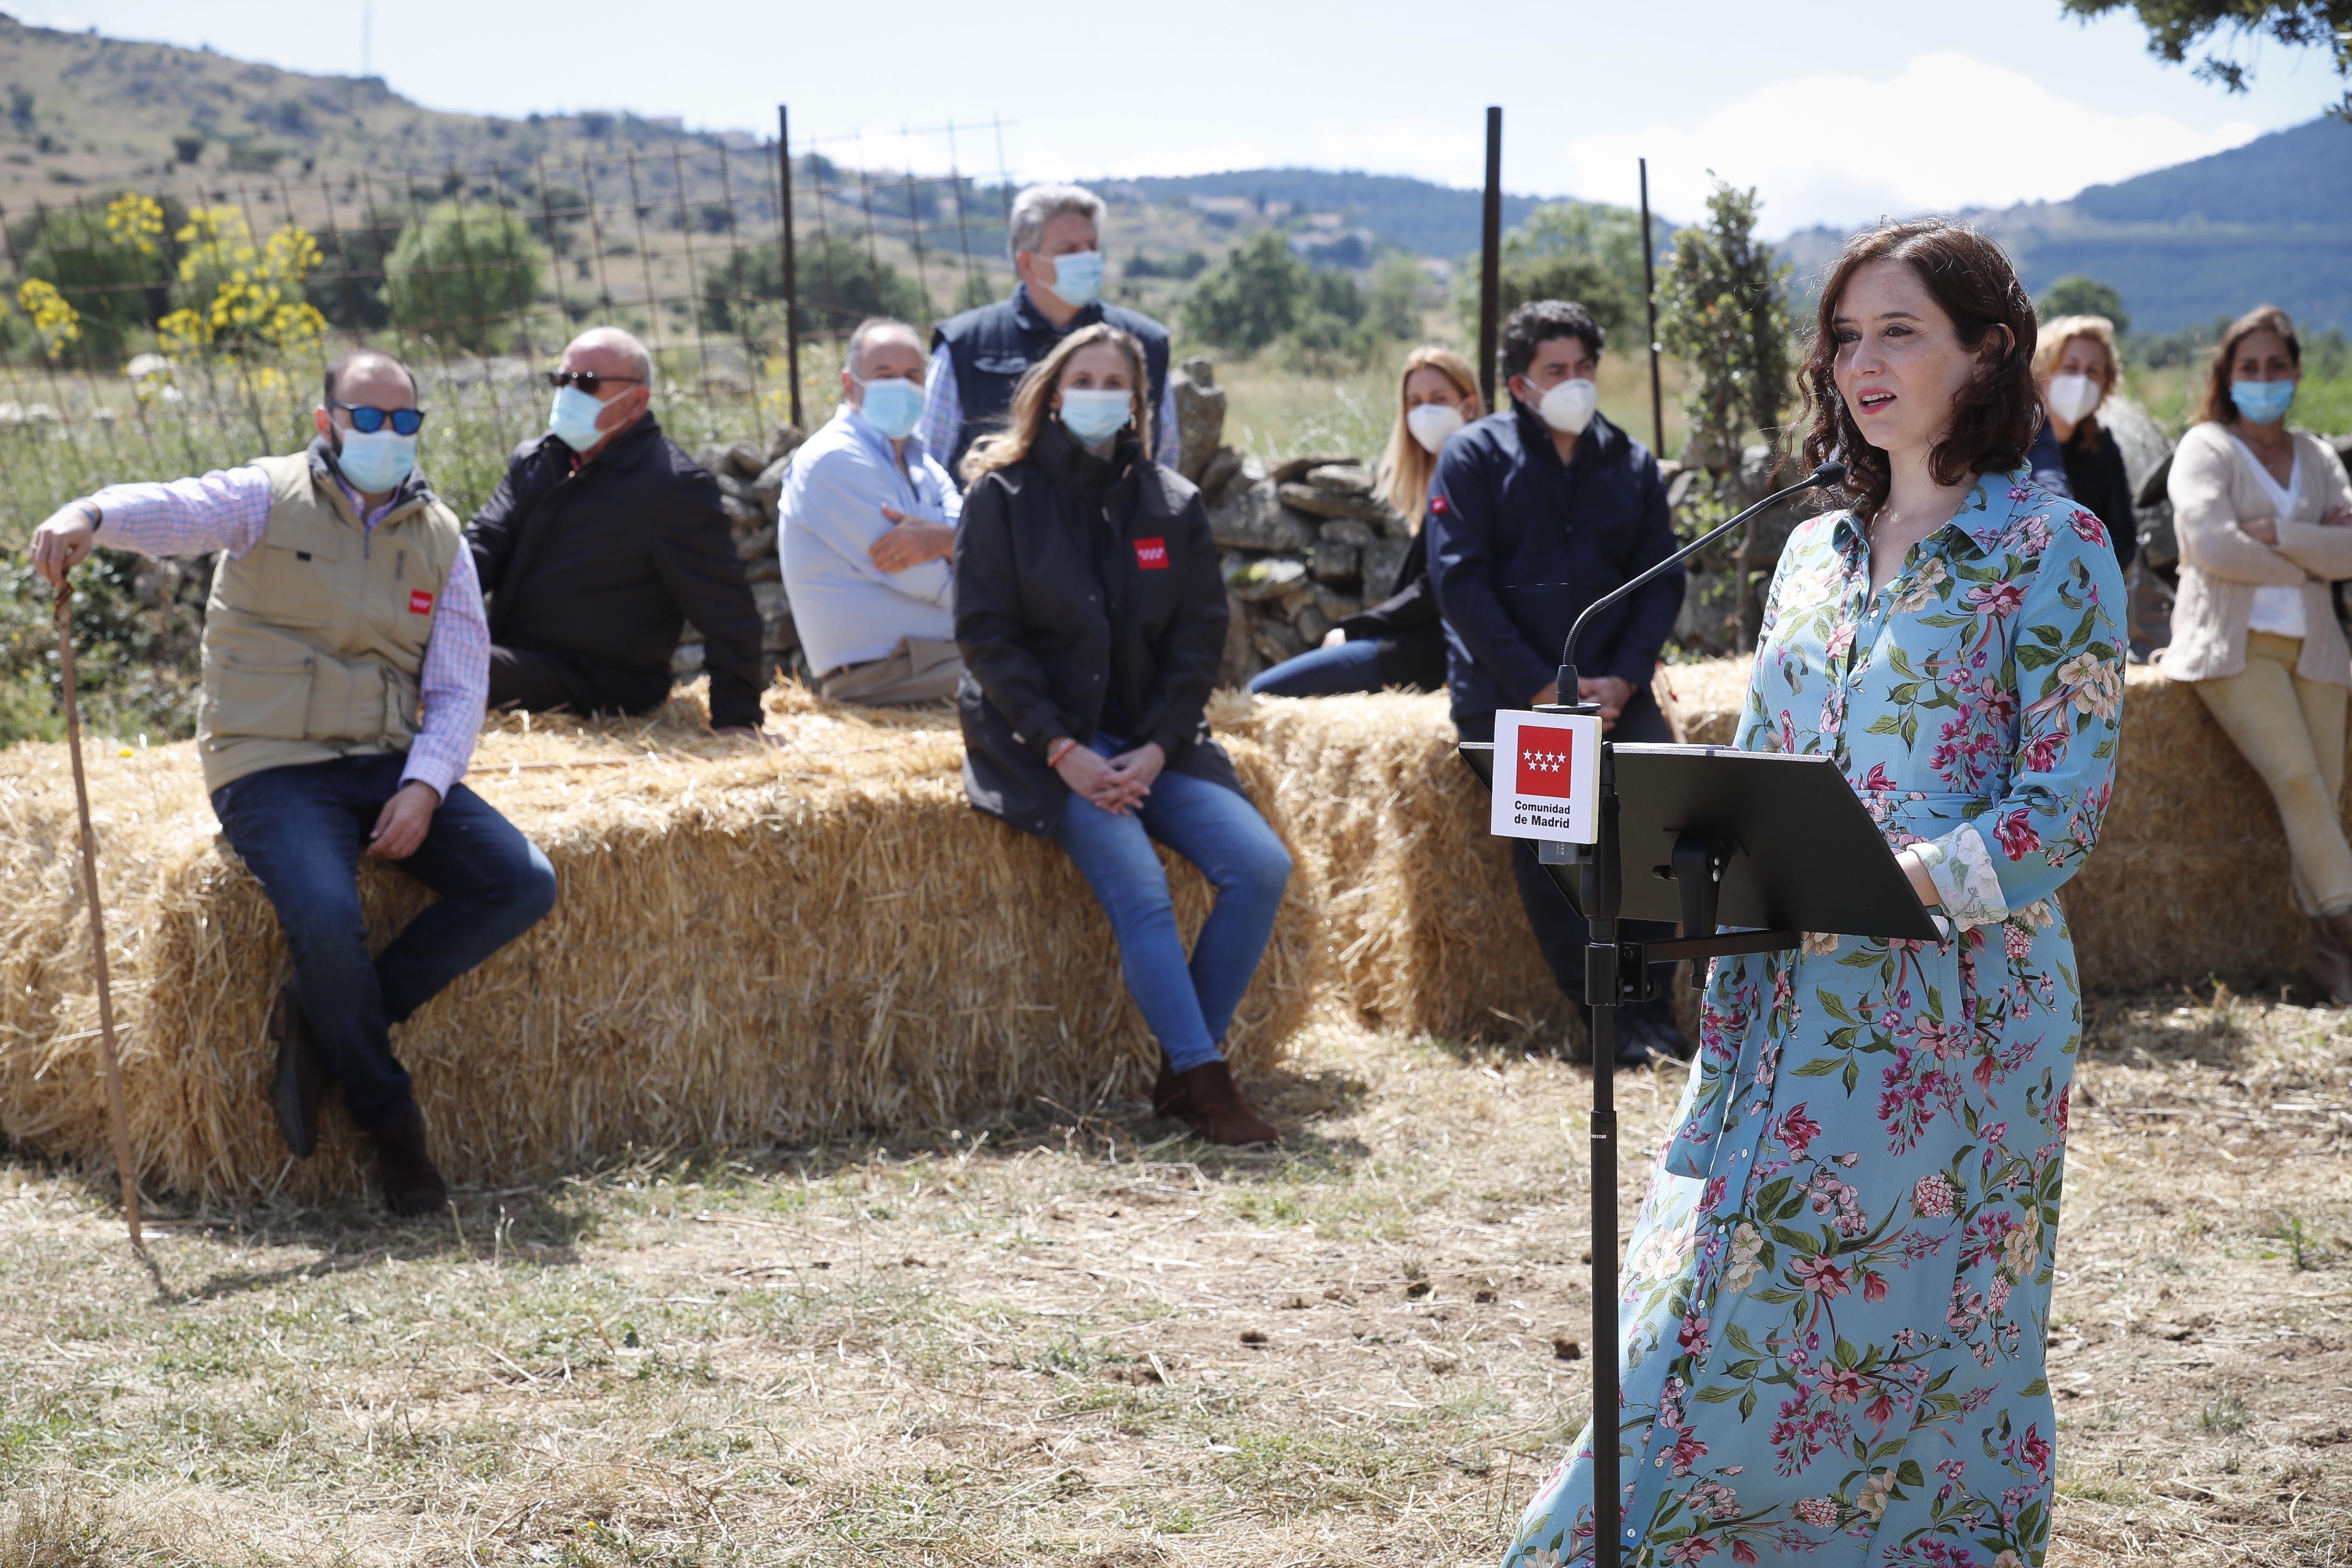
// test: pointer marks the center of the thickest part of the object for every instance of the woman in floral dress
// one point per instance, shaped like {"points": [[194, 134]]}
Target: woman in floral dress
{"points": [[1837, 1293]]}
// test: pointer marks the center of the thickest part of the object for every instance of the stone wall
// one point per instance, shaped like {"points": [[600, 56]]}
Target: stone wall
{"points": [[1305, 543], [751, 480]]}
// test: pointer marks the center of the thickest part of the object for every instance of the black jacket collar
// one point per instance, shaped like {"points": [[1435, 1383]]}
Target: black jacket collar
{"points": [[624, 452], [1600, 443], [1032, 320]]}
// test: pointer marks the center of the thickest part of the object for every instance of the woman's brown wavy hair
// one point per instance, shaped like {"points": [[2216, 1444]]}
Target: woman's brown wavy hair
{"points": [[1994, 418], [2219, 408]]}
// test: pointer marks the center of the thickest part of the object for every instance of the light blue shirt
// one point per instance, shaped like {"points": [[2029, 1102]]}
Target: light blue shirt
{"points": [[848, 610]]}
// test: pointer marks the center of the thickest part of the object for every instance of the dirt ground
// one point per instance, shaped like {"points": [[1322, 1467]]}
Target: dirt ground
{"points": [[1084, 1340]]}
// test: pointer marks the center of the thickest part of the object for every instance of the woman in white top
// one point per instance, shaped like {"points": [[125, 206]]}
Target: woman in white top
{"points": [[2262, 513]]}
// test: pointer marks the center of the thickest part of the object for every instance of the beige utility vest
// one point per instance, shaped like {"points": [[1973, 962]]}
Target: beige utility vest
{"points": [[314, 640]]}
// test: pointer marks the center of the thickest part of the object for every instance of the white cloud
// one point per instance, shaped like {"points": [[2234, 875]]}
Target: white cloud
{"points": [[1948, 132]]}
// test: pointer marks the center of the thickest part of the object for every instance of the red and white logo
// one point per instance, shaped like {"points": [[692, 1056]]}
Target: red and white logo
{"points": [[1547, 762], [1151, 555], [420, 603]]}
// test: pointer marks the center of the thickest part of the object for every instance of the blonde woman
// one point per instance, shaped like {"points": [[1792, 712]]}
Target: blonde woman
{"points": [[2262, 513], [1091, 612], [2076, 368], [1399, 641]]}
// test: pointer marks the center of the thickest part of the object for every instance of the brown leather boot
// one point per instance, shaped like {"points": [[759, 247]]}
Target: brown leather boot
{"points": [[1209, 1100], [1166, 1092], [405, 1169], [2331, 956]]}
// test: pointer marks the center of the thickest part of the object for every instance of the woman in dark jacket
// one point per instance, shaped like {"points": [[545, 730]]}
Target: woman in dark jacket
{"points": [[2075, 367], [1091, 611], [1400, 641]]}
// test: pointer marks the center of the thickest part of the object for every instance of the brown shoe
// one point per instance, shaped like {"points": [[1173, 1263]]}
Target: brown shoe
{"points": [[412, 1185], [1166, 1092], [2331, 956], [1208, 1098]]}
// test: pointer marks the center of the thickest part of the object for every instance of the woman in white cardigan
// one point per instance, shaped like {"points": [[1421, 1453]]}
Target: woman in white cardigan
{"points": [[2262, 514]]}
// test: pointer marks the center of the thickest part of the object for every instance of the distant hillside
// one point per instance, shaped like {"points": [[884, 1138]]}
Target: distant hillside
{"points": [[2270, 221], [1419, 215]]}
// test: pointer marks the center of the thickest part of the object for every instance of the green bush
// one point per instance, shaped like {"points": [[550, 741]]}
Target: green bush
{"points": [[114, 275], [1577, 251], [460, 276], [1252, 297], [839, 283], [2077, 295]]}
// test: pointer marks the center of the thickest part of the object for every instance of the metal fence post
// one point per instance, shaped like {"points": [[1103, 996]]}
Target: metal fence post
{"points": [[1490, 264], [791, 270]]}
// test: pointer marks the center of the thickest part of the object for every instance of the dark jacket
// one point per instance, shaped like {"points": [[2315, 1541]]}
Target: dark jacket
{"points": [[1521, 542], [1051, 602], [2096, 478], [993, 345], [604, 566], [1405, 624]]}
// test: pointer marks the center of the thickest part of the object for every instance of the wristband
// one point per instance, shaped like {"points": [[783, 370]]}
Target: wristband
{"points": [[1058, 750]]}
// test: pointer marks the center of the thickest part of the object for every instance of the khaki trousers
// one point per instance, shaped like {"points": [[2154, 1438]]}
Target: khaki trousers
{"points": [[918, 670], [2292, 731]]}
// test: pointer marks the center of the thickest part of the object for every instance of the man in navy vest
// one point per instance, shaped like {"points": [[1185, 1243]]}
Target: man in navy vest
{"points": [[977, 357]]}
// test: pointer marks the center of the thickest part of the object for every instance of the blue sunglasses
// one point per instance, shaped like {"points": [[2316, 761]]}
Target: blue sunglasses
{"points": [[368, 421]]}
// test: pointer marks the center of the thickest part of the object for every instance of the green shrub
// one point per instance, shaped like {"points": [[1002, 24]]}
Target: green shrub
{"points": [[461, 274]]}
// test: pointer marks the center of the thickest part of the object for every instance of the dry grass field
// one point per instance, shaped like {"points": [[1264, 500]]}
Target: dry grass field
{"points": [[1076, 1338]]}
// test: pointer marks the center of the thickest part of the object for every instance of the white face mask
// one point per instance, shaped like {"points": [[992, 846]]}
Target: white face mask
{"points": [[2072, 397], [1431, 422], [1568, 407]]}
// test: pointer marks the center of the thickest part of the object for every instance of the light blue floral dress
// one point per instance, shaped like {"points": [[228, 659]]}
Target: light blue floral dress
{"points": [[1837, 1293]]}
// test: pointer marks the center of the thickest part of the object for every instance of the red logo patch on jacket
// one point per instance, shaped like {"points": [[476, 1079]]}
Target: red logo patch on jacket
{"points": [[420, 603], [1151, 555], [1437, 503]]}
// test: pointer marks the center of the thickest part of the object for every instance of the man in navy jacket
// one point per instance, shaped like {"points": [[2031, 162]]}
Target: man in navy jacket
{"points": [[1534, 512]]}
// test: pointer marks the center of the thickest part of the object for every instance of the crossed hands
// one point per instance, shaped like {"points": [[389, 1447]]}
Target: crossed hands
{"points": [[911, 542], [1116, 785], [2264, 530], [1613, 692]]}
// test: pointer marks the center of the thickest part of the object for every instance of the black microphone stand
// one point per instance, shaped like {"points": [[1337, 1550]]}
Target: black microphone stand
{"points": [[1615, 974]]}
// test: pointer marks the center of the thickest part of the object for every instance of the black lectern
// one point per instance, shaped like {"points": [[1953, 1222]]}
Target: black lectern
{"points": [[1701, 836], [1776, 844]]}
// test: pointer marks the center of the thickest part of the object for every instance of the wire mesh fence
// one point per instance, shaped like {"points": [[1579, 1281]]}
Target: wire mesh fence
{"points": [[183, 322]]}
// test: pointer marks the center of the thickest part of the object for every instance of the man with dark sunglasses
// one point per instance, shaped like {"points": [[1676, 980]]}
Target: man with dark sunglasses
{"points": [[602, 543], [345, 665]]}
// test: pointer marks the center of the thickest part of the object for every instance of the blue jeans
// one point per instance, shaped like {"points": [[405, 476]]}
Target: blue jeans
{"points": [[1324, 672], [302, 830], [1188, 1004]]}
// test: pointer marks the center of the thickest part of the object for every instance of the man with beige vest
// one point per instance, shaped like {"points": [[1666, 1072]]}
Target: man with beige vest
{"points": [[345, 664]]}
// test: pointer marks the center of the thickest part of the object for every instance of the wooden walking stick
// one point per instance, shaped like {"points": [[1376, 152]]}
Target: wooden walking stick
{"points": [[116, 1112]]}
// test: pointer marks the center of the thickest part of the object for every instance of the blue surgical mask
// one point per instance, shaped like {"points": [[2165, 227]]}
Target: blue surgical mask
{"points": [[894, 406], [2263, 402], [1095, 416], [376, 464], [572, 418], [1077, 276]]}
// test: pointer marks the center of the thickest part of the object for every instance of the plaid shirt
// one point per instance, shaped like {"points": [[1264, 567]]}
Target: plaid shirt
{"points": [[228, 508]]}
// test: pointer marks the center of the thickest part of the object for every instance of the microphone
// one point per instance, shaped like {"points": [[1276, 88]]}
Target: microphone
{"points": [[1831, 472]]}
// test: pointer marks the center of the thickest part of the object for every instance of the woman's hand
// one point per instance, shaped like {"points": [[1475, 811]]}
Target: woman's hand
{"points": [[2338, 516], [1139, 767], [2261, 528], [1097, 779], [1915, 870]]}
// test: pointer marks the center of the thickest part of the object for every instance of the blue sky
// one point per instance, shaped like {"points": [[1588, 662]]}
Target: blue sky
{"points": [[1836, 111]]}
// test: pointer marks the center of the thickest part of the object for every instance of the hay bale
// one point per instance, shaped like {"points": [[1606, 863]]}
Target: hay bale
{"points": [[747, 945], [1426, 931], [2190, 881]]}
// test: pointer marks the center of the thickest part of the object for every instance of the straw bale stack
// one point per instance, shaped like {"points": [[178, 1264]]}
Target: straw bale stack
{"points": [[1426, 931], [2189, 880], [746, 945]]}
